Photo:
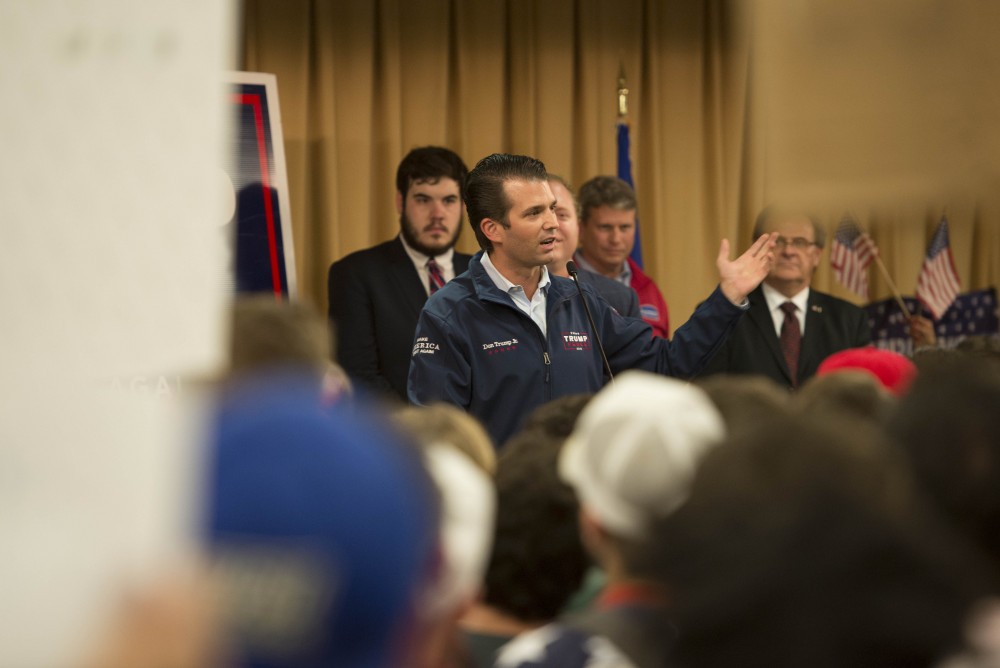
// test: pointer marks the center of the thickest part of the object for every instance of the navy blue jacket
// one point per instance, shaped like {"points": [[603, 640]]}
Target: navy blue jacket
{"points": [[475, 349]]}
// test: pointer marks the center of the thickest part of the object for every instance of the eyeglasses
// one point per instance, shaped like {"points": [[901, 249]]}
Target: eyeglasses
{"points": [[798, 243]]}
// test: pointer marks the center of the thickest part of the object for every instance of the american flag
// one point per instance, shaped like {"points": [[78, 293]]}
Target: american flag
{"points": [[850, 256], [972, 314], [938, 285]]}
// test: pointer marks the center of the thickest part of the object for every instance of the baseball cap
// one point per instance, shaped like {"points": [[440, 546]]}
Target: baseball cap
{"points": [[893, 371], [634, 450], [323, 528], [468, 513]]}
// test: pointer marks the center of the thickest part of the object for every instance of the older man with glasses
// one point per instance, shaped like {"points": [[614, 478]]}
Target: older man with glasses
{"points": [[790, 327]]}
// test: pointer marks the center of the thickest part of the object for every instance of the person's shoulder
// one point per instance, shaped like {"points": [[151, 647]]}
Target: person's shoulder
{"points": [[563, 283], [604, 284], [556, 645], [366, 256], [640, 279], [452, 298], [826, 300]]}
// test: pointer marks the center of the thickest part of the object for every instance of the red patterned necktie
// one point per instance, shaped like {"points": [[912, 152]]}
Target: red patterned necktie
{"points": [[436, 278], [791, 340]]}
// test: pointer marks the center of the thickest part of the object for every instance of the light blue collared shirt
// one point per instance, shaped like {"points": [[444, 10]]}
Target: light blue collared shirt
{"points": [[535, 308], [625, 278]]}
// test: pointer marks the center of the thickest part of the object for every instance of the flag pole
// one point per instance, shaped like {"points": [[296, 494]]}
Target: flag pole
{"points": [[892, 285], [623, 144], [622, 93]]}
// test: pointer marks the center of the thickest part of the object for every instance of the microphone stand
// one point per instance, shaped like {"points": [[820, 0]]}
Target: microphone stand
{"points": [[571, 268]]}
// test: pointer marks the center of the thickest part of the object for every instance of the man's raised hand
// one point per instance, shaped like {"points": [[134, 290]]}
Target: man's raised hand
{"points": [[739, 277]]}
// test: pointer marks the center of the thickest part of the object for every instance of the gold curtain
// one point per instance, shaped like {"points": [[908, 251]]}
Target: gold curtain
{"points": [[361, 82]]}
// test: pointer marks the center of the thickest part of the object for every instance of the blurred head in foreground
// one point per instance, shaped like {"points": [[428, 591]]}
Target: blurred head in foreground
{"points": [[801, 544], [270, 336], [323, 528], [635, 448]]}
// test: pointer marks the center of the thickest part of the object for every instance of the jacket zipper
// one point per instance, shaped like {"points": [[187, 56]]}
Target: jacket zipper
{"points": [[541, 338]]}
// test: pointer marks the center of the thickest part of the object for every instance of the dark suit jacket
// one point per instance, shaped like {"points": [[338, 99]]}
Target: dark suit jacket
{"points": [[375, 297], [621, 297], [831, 325]]}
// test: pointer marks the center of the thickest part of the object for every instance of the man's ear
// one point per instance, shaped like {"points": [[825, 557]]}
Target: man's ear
{"points": [[491, 229], [399, 202], [592, 534]]}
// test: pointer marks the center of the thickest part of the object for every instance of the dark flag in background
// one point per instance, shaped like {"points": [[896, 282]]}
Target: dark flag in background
{"points": [[625, 174], [971, 314]]}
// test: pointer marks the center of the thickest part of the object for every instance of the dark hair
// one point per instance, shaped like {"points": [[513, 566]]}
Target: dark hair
{"points": [[797, 541], [267, 333], [851, 393], [606, 191], [742, 399], [430, 163], [773, 212], [538, 560], [982, 345], [948, 425], [565, 184], [485, 196], [558, 417]]}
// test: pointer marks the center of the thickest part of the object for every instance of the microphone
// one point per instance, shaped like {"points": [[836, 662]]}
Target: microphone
{"points": [[571, 268]]}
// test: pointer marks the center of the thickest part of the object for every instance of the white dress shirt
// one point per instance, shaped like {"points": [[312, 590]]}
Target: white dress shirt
{"points": [[774, 301]]}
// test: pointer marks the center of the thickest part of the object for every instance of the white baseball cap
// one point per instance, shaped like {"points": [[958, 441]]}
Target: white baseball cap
{"points": [[634, 450]]}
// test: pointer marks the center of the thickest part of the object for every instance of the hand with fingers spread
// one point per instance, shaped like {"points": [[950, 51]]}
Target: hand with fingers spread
{"points": [[739, 277]]}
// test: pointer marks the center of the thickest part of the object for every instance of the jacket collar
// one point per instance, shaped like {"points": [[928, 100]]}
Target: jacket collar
{"points": [[486, 290]]}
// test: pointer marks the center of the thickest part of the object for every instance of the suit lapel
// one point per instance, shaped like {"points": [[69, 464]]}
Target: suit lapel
{"points": [[461, 262], [762, 320], [404, 279], [809, 357]]}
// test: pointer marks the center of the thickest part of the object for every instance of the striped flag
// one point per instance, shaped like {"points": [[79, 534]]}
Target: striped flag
{"points": [[938, 284], [625, 174], [852, 252]]}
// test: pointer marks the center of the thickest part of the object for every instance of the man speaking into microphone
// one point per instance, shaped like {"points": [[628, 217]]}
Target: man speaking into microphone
{"points": [[507, 336]]}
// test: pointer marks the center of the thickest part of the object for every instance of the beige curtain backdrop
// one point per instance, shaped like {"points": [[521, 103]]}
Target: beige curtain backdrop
{"points": [[361, 82]]}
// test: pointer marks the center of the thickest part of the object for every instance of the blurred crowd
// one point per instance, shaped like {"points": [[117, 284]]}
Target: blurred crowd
{"points": [[854, 521]]}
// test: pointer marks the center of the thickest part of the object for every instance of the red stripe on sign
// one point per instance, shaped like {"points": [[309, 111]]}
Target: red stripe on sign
{"points": [[265, 184]]}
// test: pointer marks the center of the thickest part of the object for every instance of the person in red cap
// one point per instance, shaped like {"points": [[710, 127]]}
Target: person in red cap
{"points": [[893, 371]]}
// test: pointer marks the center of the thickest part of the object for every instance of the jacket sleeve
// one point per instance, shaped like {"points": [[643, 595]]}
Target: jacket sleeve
{"points": [[439, 368], [694, 343], [632, 309], [352, 316], [699, 339]]}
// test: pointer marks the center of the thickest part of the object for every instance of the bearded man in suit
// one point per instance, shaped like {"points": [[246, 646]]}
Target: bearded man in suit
{"points": [[376, 294], [825, 324]]}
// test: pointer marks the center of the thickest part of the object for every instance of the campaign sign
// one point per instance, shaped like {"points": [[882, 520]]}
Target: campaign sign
{"points": [[263, 253]]}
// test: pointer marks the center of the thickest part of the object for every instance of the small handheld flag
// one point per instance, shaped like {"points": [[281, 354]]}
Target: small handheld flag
{"points": [[938, 284], [850, 255]]}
